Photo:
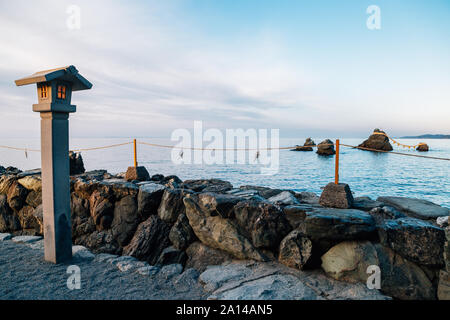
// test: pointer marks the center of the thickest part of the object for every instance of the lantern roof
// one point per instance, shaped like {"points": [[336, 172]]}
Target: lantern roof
{"points": [[69, 74]]}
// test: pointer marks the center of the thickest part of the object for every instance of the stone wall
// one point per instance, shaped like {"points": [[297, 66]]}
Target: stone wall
{"points": [[203, 222]]}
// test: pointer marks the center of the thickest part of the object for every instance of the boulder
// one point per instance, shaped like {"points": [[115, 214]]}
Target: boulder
{"points": [[210, 185], [34, 198], [336, 196], [99, 242], [296, 214], [139, 173], [349, 260], [219, 233], [284, 198], [125, 220], [170, 255], [149, 241], [415, 240], [218, 204], [28, 221], [200, 256], [181, 234], [365, 203], [264, 192], [308, 197], [5, 182], [443, 221], [326, 148], [76, 163], [416, 208], [378, 141], [8, 221], [264, 223], [102, 209], [423, 147], [171, 205], [400, 278], [443, 291], [338, 224], [16, 196], [149, 199], [32, 182], [380, 214], [295, 250]]}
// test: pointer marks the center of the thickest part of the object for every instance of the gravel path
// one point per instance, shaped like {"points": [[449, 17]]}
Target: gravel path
{"points": [[25, 275]]}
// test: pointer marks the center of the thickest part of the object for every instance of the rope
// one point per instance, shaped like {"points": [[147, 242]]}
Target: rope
{"points": [[214, 149], [104, 147], [398, 143]]}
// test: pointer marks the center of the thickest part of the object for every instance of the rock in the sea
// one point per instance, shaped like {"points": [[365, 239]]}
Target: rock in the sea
{"points": [[326, 148], [295, 250], [416, 208], [149, 199], [415, 240], [219, 233], [181, 234], [378, 141], [171, 255], [211, 185], [336, 196], [307, 146], [264, 223], [200, 256], [422, 147], [139, 173], [149, 241], [76, 163]]}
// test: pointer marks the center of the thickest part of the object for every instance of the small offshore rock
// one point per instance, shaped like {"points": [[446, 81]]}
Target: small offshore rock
{"points": [[423, 147]]}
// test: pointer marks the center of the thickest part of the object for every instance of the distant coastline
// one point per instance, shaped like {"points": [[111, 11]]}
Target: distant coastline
{"points": [[428, 136]]}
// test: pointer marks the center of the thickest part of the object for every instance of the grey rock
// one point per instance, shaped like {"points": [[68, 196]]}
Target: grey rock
{"points": [[170, 255], [5, 236], [26, 239], [219, 204], [284, 198], [181, 234], [210, 185], [201, 256], [105, 257], [115, 261], [326, 148], [295, 250], [149, 199], [442, 221], [125, 220], [171, 270], [336, 196], [416, 208], [150, 271], [171, 205], [365, 203]]}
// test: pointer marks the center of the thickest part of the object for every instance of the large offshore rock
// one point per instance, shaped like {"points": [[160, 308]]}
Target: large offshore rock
{"points": [[200, 256], [149, 241], [219, 233], [181, 234], [209, 185], [125, 220], [336, 196], [416, 208], [295, 250], [399, 278], [378, 141], [171, 205], [264, 223], [218, 204], [326, 148], [149, 199], [414, 239]]}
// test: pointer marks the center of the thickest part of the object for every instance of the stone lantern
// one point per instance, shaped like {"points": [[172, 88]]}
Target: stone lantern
{"points": [[54, 89]]}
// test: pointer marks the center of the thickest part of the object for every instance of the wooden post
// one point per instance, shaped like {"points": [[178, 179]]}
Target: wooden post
{"points": [[336, 172], [135, 154]]}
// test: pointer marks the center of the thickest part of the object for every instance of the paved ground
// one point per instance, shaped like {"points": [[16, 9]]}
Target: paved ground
{"points": [[25, 275]]}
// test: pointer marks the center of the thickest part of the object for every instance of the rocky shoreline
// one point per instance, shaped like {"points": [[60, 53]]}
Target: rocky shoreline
{"points": [[249, 233]]}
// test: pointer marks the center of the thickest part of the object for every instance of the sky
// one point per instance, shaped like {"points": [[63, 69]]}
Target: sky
{"points": [[308, 68]]}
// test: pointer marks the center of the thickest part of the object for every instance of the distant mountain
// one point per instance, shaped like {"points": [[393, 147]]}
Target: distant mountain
{"points": [[428, 136]]}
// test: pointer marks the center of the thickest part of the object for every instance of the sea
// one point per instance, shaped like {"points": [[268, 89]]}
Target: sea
{"points": [[368, 173]]}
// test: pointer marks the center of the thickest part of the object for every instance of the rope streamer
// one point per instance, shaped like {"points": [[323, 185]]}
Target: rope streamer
{"points": [[26, 150]]}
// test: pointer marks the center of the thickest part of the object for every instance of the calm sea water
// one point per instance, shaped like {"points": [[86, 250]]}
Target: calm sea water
{"points": [[368, 174]]}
